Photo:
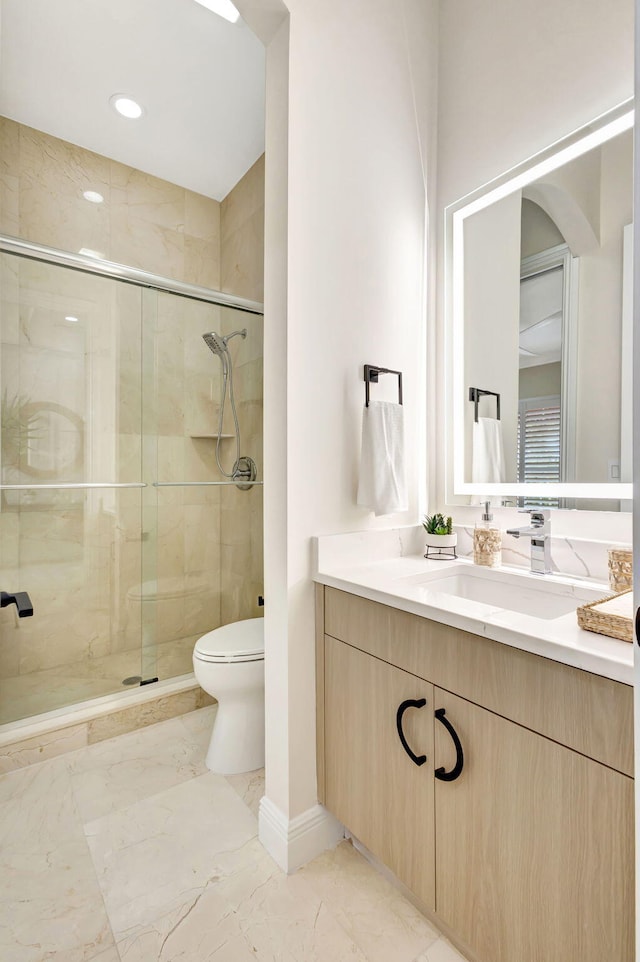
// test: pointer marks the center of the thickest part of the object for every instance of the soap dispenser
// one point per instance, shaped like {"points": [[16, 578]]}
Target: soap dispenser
{"points": [[487, 540]]}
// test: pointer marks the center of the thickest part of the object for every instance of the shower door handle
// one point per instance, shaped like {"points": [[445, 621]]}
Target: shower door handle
{"points": [[20, 599]]}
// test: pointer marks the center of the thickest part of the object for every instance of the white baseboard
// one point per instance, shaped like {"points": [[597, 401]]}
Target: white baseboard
{"points": [[294, 842]]}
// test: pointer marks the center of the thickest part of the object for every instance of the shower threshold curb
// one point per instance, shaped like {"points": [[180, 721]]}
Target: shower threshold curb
{"points": [[53, 733]]}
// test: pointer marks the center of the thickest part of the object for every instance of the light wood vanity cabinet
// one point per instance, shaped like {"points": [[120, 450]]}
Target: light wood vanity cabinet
{"points": [[527, 856], [387, 804]]}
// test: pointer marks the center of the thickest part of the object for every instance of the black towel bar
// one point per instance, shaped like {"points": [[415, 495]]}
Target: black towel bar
{"points": [[475, 393], [371, 375]]}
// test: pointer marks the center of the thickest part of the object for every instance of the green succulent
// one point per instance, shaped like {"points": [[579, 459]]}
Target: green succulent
{"points": [[438, 524]]}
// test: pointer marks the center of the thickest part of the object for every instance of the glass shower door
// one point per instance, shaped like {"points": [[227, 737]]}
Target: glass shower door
{"points": [[71, 485], [202, 548]]}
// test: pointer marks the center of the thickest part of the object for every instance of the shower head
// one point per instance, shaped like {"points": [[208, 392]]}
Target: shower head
{"points": [[215, 343], [218, 344]]}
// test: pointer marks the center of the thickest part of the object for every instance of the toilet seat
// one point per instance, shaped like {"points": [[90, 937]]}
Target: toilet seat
{"points": [[241, 641]]}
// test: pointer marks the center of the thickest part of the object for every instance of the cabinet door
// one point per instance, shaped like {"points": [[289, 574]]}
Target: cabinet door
{"points": [[372, 785], [534, 845]]}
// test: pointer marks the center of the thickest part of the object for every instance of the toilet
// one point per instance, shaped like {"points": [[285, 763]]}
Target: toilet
{"points": [[228, 663]]}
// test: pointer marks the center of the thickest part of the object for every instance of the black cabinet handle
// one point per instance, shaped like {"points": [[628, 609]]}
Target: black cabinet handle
{"points": [[456, 771], [409, 703], [638, 625]]}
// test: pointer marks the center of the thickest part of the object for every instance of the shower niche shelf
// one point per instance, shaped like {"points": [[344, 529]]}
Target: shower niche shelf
{"points": [[211, 437]]}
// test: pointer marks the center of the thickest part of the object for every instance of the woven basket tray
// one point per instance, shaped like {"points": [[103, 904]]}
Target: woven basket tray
{"points": [[605, 622]]}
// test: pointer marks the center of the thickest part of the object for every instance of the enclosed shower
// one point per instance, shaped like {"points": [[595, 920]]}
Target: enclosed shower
{"points": [[130, 475]]}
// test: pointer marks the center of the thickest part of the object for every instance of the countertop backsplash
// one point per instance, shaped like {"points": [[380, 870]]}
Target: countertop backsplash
{"points": [[576, 557], [571, 556]]}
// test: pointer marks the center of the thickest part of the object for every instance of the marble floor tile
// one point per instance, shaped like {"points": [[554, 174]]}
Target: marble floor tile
{"points": [[51, 907], [36, 805], [119, 772], [375, 914], [159, 854], [202, 930], [168, 868], [206, 926], [284, 920], [199, 724], [441, 951], [110, 955], [251, 911], [250, 788]]}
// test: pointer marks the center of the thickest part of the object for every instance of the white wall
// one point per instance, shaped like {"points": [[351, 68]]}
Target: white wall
{"points": [[355, 294], [512, 81], [539, 232], [345, 287], [491, 312], [600, 337]]}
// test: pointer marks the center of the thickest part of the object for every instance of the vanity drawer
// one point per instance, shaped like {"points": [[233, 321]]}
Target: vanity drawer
{"points": [[585, 712]]}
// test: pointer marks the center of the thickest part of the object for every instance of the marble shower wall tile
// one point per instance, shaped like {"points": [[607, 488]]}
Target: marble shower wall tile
{"points": [[9, 147], [53, 175], [241, 553], [242, 236], [144, 221], [244, 200], [242, 259]]}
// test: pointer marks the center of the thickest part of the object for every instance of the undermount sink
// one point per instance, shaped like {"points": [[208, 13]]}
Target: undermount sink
{"points": [[535, 595]]}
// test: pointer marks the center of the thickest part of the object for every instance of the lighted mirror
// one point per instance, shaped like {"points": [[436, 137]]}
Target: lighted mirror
{"points": [[539, 321]]}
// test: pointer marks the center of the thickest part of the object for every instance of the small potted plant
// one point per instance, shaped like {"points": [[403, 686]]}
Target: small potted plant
{"points": [[440, 539]]}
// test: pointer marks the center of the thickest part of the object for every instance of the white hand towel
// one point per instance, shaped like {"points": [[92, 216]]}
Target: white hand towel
{"points": [[382, 484], [488, 452]]}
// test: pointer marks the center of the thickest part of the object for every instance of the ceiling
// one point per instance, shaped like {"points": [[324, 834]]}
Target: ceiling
{"points": [[199, 78]]}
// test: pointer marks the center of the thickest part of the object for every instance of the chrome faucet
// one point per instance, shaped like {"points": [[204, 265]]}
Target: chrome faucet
{"points": [[540, 533]]}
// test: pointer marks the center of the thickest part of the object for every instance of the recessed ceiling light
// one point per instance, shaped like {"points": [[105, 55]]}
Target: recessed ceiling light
{"points": [[93, 196], [224, 8], [125, 106], [89, 253], [70, 317]]}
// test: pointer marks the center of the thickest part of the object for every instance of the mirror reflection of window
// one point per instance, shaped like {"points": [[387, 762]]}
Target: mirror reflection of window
{"points": [[540, 378]]}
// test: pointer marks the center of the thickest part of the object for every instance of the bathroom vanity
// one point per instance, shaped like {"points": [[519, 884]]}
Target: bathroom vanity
{"points": [[494, 782]]}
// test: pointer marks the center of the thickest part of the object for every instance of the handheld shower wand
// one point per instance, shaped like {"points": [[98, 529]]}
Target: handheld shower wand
{"points": [[244, 467]]}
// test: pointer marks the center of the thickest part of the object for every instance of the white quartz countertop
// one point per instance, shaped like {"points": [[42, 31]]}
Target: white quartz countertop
{"points": [[390, 582]]}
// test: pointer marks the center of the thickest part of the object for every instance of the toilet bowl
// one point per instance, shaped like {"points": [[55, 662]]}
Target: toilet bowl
{"points": [[228, 663]]}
